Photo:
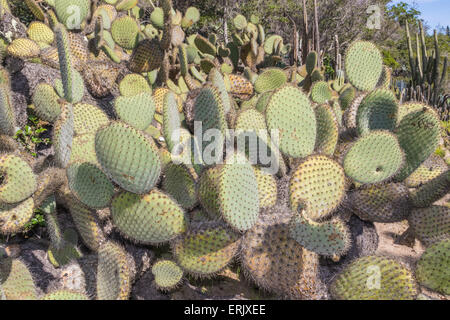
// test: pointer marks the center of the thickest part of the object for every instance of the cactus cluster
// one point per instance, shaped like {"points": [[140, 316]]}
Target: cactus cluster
{"points": [[335, 147]]}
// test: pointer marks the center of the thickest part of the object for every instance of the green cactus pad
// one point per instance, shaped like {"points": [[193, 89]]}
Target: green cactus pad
{"points": [[137, 110], [168, 275], [208, 191], [209, 111], [433, 267], [318, 185], [238, 194], [270, 80], [329, 238], [128, 157], [363, 65], [377, 111], [40, 32], [90, 185], [64, 295], [267, 188], [430, 224], [320, 92], [206, 249], [289, 111], [124, 31], [374, 158], [17, 179], [171, 121], [204, 45], [269, 43], [146, 57], [88, 119], [217, 80], [327, 130], [14, 217], [133, 84], [374, 278], [46, 102], [383, 203], [114, 274], [7, 115], [23, 48], [431, 191], [276, 262], [418, 134], [179, 183], [346, 97], [63, 132], [430, 169], [311, 61], [16, 281], [240, 22], [153, 218], [83, 149]]}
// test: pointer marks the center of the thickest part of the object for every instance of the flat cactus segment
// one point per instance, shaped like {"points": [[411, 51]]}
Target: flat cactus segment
{"points": [[168, 275], [320, 92], [433, 167], [40, 32], [7, 115], [329, 238], [204, 45], [171, 121], [133, 84], [374, 158], [17, 179], [114, 274], [137, 110], [209, 111], [270, 79], [23, 48], [63, 132], [327, 130], [317, 185], [431, 191], [377, 111], [128, 157], [238, 194], [64, 294], [267, 188], [13, 217], [418, 134], [208, 191], [146, 57], [153, 218], [276, 262], [433, 267], [16, 281], [179, 182], [383, 203], [217, 80], [240, 87], [83, 149], [90, 185], [431, 224], [374, 278], [206, 248], [346, 97], [88, 119], [46, 102], [363, 65], [124, 31], [289, 111]]}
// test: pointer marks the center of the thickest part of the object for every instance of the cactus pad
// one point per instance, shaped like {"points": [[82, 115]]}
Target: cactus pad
{"points": [[137, 110], [17, 180], [270, 79], [168, 275], [430, 224]]}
